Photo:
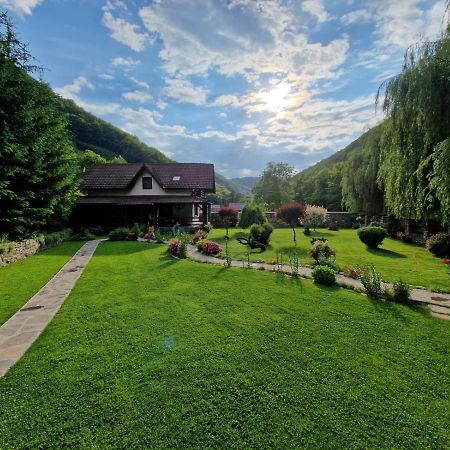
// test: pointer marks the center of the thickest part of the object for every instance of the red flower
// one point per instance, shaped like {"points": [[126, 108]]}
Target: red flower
{"points": [[446, 261]]}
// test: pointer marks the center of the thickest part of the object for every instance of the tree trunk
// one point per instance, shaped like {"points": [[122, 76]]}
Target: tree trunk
{"points": [[293, 229]]}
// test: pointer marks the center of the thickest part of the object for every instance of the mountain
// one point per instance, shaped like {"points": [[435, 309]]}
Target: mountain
{"points": [[246, 183]]}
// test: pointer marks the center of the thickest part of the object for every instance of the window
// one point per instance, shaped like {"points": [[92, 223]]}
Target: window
{"points": [[147, 182], [195, 209], [176, 178]]}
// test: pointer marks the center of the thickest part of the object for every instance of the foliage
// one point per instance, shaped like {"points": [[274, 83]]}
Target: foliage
{"points": [[322, 251], [229, 216], [439, 245], [324, 275], [83, 235], [261, 233], [315, 216], [251, 214], [38, 174], [177, 247], [372, 236], [211, 248], [307, 231], [413, 147], [401, 292], [274, 186], [199, 235], [370, 279], [291, 213], [360, 189], [119, 234]]}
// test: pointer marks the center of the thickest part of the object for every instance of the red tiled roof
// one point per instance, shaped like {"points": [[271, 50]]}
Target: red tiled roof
{"points": [[168, 175]]}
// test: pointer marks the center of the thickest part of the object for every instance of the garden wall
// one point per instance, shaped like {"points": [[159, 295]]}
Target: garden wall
{"points": [[15, 251]]}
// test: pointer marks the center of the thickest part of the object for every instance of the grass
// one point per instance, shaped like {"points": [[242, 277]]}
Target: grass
{"points": [[150, 352], [21, 280], [394, 259]]}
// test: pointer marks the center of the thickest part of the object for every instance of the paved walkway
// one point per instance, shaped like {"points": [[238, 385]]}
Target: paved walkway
{"points": [[438, 303], [21, 330]]}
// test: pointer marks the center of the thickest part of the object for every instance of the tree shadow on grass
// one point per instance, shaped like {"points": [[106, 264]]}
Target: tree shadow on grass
{"points": [[386, 253]]}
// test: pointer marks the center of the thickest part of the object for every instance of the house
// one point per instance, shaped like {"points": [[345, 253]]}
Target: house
{"points": [[153, 194]]}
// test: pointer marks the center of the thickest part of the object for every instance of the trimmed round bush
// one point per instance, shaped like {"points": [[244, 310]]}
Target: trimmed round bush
{"points": [[439, 245], [251, 214], [324, 275], [372, 236], [261, 233], [211, 248]]}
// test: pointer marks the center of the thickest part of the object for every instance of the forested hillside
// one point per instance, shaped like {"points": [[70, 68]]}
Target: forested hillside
{"points": [[246, 183]]}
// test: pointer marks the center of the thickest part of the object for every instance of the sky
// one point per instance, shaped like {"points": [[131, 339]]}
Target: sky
{"points": [[237, 83]]}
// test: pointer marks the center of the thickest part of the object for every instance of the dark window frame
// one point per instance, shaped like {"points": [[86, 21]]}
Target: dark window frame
{"points": [[146, 180]]}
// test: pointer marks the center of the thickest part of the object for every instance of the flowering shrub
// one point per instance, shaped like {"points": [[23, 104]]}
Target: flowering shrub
{"points": [[439, 245], [322, 251], [177, 248], [199, 235], [446, 261], [149, 236], [351, 272], [211, 248], [314, 216]]}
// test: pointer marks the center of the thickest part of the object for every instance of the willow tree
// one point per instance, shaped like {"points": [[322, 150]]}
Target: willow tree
{"points": [[413, 164], [360, 190]]}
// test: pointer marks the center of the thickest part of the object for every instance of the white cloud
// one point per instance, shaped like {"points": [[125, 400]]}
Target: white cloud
{"points": [[70, 90], [106, 76], [137, 96], [122, 31], [161, 104], [125, 62], [246, 172], [139, 83], [316, 8], [21, 7], [223, 115], [356, 16], [183, 91], [242, 37]]}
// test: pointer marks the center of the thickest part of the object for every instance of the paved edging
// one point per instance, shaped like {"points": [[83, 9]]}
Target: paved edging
{"points": [[438, 303], [24, 327]]}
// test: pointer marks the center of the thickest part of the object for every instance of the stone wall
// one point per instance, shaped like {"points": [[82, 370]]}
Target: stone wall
{"points": [[15, 251], [341, 219]]}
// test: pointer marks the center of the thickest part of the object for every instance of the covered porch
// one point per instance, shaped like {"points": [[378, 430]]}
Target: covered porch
{"points": [[114, 211]]}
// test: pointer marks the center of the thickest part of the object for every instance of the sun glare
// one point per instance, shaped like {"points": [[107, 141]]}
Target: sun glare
{"points": [[277, 99]]}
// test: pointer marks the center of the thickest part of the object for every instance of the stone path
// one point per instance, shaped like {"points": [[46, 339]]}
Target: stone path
{"points": [[21, 330], [438, 303]]}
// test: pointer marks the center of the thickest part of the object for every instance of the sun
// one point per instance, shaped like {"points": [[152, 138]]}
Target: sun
{"points": [[277, 99]]}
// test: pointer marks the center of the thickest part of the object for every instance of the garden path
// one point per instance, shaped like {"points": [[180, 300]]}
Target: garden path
{"points": [[22, 329], [439, 303]]}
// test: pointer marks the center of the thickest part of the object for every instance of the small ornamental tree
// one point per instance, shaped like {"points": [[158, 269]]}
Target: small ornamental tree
{"points": [[291, 213], [314, 216], [229, 216]]}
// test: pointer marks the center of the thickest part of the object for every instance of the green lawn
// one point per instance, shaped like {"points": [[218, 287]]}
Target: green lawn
{"points": [[21, 280], [150, 352], [394, 259]]}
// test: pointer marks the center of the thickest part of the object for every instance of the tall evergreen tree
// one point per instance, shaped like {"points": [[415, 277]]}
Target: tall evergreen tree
{"points": [[37, 158]]}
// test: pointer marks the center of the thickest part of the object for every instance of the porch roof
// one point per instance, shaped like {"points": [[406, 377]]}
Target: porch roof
{"points": [[140, 200]]}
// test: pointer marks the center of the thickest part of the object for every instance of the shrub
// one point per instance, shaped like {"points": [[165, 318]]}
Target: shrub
{"points": [[370, 279], [211, 248], [439, 245], [377, 224], [315, 216], [119, 234], [51, 239], [177, 247], [83, 235], [333, 228], [401, 292], [261, 233], [307, 231], [199, 235], [135, 229], [324, 275], [314, 240], [372, 236], [322, 250], [251, 214], [207, 227]]}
